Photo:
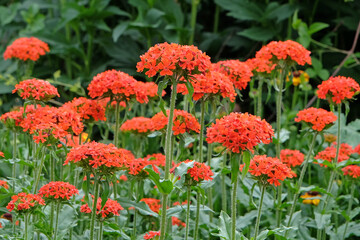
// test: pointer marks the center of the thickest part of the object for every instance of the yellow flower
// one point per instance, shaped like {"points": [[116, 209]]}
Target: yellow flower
{"points": [[330, 138], [300, 77], [311, 198]]}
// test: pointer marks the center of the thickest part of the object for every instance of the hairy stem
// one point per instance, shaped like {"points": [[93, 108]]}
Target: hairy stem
{"points": [[263, 187]]}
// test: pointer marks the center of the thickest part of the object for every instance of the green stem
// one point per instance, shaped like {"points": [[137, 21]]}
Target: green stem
{"points": [[135, 211], [202, 126], [223, 186], [117, 117], [263, 187], [187, 227], [233, 207], [93, 212], [52, 216], [101, 230], [259, 100], [299, 183], [197, 218], [26, 218], [294, 97], [168, 158], [37, 178], [89, 52], [216, 19], [194, 5], [349, 208], [210, 191], [14, 163], [58, 207]]}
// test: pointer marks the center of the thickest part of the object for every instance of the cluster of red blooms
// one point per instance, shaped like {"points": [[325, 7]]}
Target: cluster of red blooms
{"points": [[318, 118], [211, 83], [36, 89], [238, 72], [338, 89], [2, 154], [240, 132], [88, 109], [166, 59], [178, 203], [150, 89], [154, 204], [329, 153], [183, 122], [291, 158], [352, 171], [141, 125], [199, 172], [136, 166], [287, 50], [357, 149], [157, 159], [4, 184], [118, 85], [100, 157], [110, 208], [48, 124], [177, 222], [152, 234], [23, 202], [270, 169], [58, 190], [13, 119], [26, 48], [259, 65]]}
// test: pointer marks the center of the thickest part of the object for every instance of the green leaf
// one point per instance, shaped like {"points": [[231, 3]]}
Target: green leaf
{"points": [[246, 159], [7, 14], [241, 9], [234, 167], [119, 30], [324, 74], [322, 220], [316, 27], [164, 186], [183, 168], [257, 33], [141, 206]]}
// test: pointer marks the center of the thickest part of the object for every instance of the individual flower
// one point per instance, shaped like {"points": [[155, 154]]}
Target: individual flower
{"points": [[123, 178], [259, 65], [208, 85], [36, 89], [291, 158], [154, 204], [152, 235], [88, 109], [352, 171], [183, 122], [285, 50], [269, 170], [4, 184], [166, 59], [50, 124], [329, 153], [26, 48], [118, 85], [138, 125], [312, 198], [2, 154], [177, 222], [300, 77], [240, 132], [111, 208], [58, 191], [239, 72], [338, 89], [317, 118], [199, 172], [99, 157], [25, 202]]}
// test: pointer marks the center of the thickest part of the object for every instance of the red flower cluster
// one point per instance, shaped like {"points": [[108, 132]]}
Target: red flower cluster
{"points": [[100, 157], [154, 204], [318, 118], [119, 85], [199, 172], [357, 149], [157, 159], [23, 202], [36, 89], [270, 169], [2, 154], [13, 119], [338, 89], [50, 124], [287, 50], [329, 153], [151, 235], [291, 158], [4, 184], [178, 203], [238, 72], [211, 83], [26, 48], [177, 222], [352, 171], [88, 109], [166, 59], [136, 166], [58, 190], [183, 122], [240, 132], [110, 208], [259, 65], [139, 125], [150, 89]]}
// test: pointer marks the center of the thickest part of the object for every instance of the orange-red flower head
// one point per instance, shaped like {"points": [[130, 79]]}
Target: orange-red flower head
{"points": [[240, 132], [4, 184], [152, 234], [318, 118], [199, 172], [288, 50], [238, 72], [26, 48], [352, 171], [36, 89], [291, 158], [24, 202], [58, 191], [139, 125], [338, 89], [177, 222], [154, 204], [111, 208], [259, 65], [166, 59], [329, 153], [88, 109]]}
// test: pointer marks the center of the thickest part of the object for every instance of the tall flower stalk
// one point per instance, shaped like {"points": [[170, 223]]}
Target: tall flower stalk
{"points": [[263, 187]]}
